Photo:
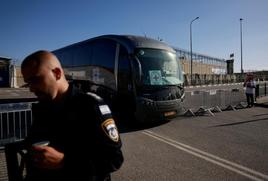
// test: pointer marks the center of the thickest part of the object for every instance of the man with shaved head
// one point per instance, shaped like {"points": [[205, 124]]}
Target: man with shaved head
{"points": [[44, 75], [73, 135]]}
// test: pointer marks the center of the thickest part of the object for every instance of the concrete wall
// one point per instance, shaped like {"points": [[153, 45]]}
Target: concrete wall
{"points": [[201, 68]]}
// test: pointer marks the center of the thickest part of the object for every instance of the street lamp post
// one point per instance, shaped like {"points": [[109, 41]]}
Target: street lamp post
{"points": [[191, 49], [242, 71]]}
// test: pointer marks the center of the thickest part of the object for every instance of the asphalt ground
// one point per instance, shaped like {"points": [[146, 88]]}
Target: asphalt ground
{"points": [[232, 145]]}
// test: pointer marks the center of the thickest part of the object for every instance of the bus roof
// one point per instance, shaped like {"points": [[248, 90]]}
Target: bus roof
{"points": [[131, 42]]}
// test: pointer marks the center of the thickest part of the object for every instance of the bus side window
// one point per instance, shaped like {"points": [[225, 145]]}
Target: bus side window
{"points": [[103, 54], [82, 55], [65, 57], [103, 61]]}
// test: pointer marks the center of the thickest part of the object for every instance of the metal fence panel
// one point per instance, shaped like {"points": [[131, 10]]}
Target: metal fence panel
{"points": [[262, 89], [15, 121], [221, 98]]}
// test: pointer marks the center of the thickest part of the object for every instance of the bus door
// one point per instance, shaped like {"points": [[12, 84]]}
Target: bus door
{"points": [[125, 88]]}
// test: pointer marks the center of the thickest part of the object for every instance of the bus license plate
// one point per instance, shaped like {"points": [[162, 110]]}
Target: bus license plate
{"points": [[170, 113]]}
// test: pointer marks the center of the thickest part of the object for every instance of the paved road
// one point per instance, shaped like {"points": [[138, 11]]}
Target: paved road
{"points": [[230, 146]]}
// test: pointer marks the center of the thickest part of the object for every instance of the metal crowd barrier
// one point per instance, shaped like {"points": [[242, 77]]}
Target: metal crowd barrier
{"points": [[261, 89], [215, 98], [15, 121], [221, 98]]}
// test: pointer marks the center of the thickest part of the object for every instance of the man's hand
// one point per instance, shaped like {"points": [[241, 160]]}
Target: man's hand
{"points": [[47, 157]]}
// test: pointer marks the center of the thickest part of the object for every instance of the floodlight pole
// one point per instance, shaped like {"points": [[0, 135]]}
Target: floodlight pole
{"points": [[191, 49]]}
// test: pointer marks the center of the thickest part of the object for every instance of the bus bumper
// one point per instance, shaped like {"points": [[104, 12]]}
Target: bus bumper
{"points": [[148, 110]]}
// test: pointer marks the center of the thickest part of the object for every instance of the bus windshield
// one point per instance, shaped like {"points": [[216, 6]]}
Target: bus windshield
{"points": [[159, 67]]}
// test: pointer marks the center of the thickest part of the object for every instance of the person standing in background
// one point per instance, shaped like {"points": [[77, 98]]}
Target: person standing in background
{"points": [[250, 86]]}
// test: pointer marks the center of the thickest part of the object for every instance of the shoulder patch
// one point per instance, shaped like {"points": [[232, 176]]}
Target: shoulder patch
{"points": [[110, 129], [104, 109]]}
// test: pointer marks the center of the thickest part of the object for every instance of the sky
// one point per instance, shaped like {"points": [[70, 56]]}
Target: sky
{"points": [[30, 25]]}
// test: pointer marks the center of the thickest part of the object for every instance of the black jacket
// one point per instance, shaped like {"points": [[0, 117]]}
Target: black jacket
{"points": [[82, 127]]}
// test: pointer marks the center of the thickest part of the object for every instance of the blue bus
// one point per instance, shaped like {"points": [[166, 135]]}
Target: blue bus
{"points": [[138, 77]]}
